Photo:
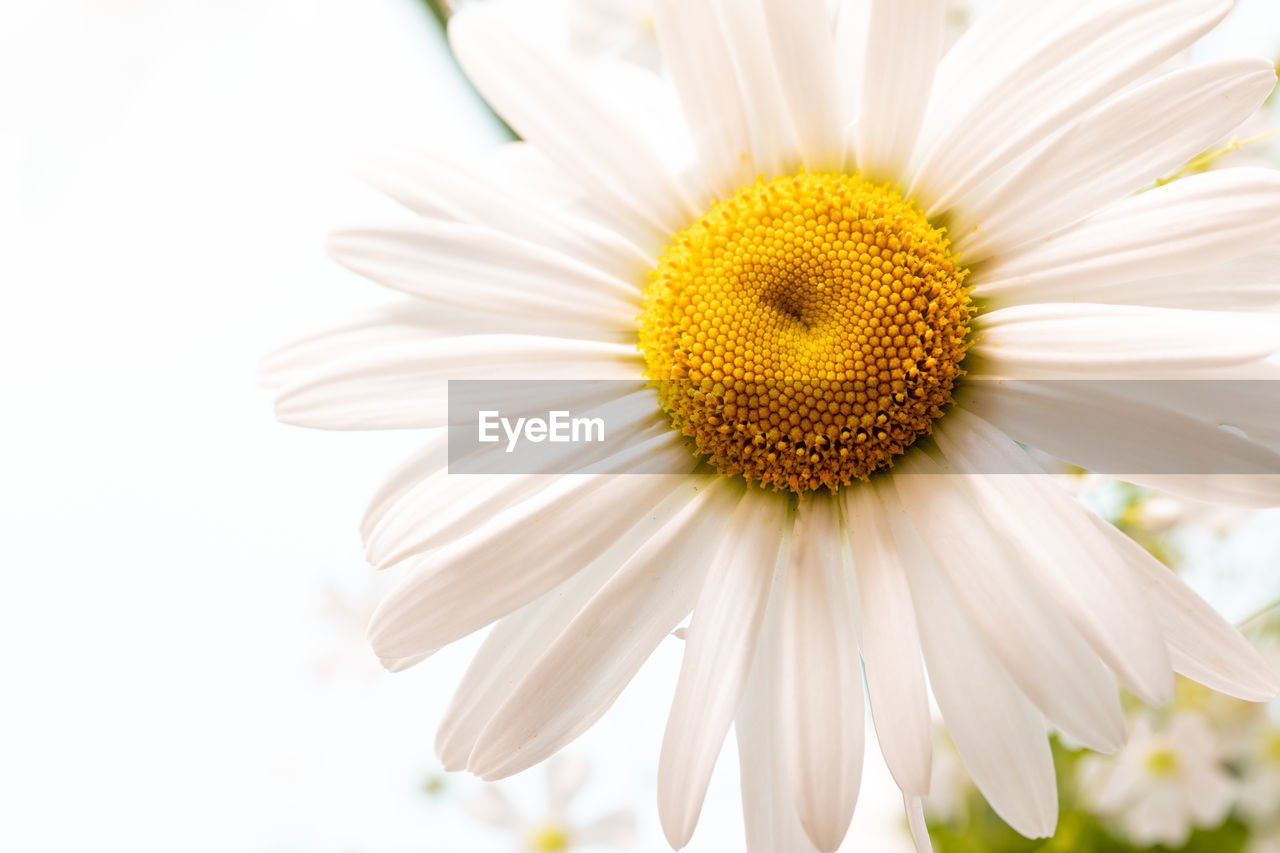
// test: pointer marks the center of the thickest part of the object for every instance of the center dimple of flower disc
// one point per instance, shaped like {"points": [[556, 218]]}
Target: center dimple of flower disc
{"points": [[807, 330]]}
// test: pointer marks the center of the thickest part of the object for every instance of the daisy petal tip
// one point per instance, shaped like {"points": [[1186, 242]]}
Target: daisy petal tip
{"points": [[678, 823], [452, 758]]}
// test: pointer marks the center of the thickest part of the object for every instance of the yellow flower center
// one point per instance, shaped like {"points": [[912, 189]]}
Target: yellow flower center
{"points": [[1163, 763], [549, 838], [807, 330]]}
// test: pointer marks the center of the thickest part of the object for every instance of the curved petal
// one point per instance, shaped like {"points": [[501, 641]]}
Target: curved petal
{"points": [[474, 267], [428, 461], [512, 647], [1203, 646], [1085, 341], [999, 734], [903, 43], [1083, 424], [890, 645], [803, 48], [1048, 69], [554, 105], [1250, 282], [487, 190], [404, 387], [1023, 627], [1126, 144], [441, 508], [578, 677], [519, 555], [694, 48], [771, 822], [774, 147], [1191, 224], [720, 644], [822, 705], [1054, 535]]}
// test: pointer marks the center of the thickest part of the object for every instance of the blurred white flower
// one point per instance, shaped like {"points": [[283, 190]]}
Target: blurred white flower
{"points": [[554, 831], [1268, 842], [1165, 783], [343, 615], [1260, 776]]}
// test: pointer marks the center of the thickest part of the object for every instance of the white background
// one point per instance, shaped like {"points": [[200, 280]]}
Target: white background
{"points": [[181, 659]]}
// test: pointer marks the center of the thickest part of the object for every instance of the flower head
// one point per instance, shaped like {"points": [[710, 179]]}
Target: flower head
{"points": [[1167, 781], [848, 290]]}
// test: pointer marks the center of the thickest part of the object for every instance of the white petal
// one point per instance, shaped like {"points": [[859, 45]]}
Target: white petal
{"points": [[443, 507], [1188, 225], [1092, 426], [890, 645], [430, 460], [1083, 341], [694, 47], [1022, 626], [475, 268], [771, 822], [1055, 537], [1049, 69], [774, 147], [521, 554], [405, 386], [1126, 144], [1250, 405], [485, 190], [1202, 645], [578, 677], [554, 105], [916, 823], [822, 705], [512, 647], [803, 48], [718, 651], [1250, 282], [390, 325], [999, 734], [903, 44]]}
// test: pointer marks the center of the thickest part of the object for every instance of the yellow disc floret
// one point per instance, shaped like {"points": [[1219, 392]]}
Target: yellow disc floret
{"points": [[807, 330]]}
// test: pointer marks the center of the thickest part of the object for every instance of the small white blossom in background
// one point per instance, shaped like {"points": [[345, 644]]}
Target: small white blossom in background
{"points": [[340, 657], [1169, 780], [1269, 843], [555, 830], [1259, 767]]}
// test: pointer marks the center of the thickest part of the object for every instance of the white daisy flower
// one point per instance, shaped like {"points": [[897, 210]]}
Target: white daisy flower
{"points": [[1164, 784], [554, 831], [802, 240]]}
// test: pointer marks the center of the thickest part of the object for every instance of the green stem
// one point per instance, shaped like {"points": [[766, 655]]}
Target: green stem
{"points": [[441, 10]]}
